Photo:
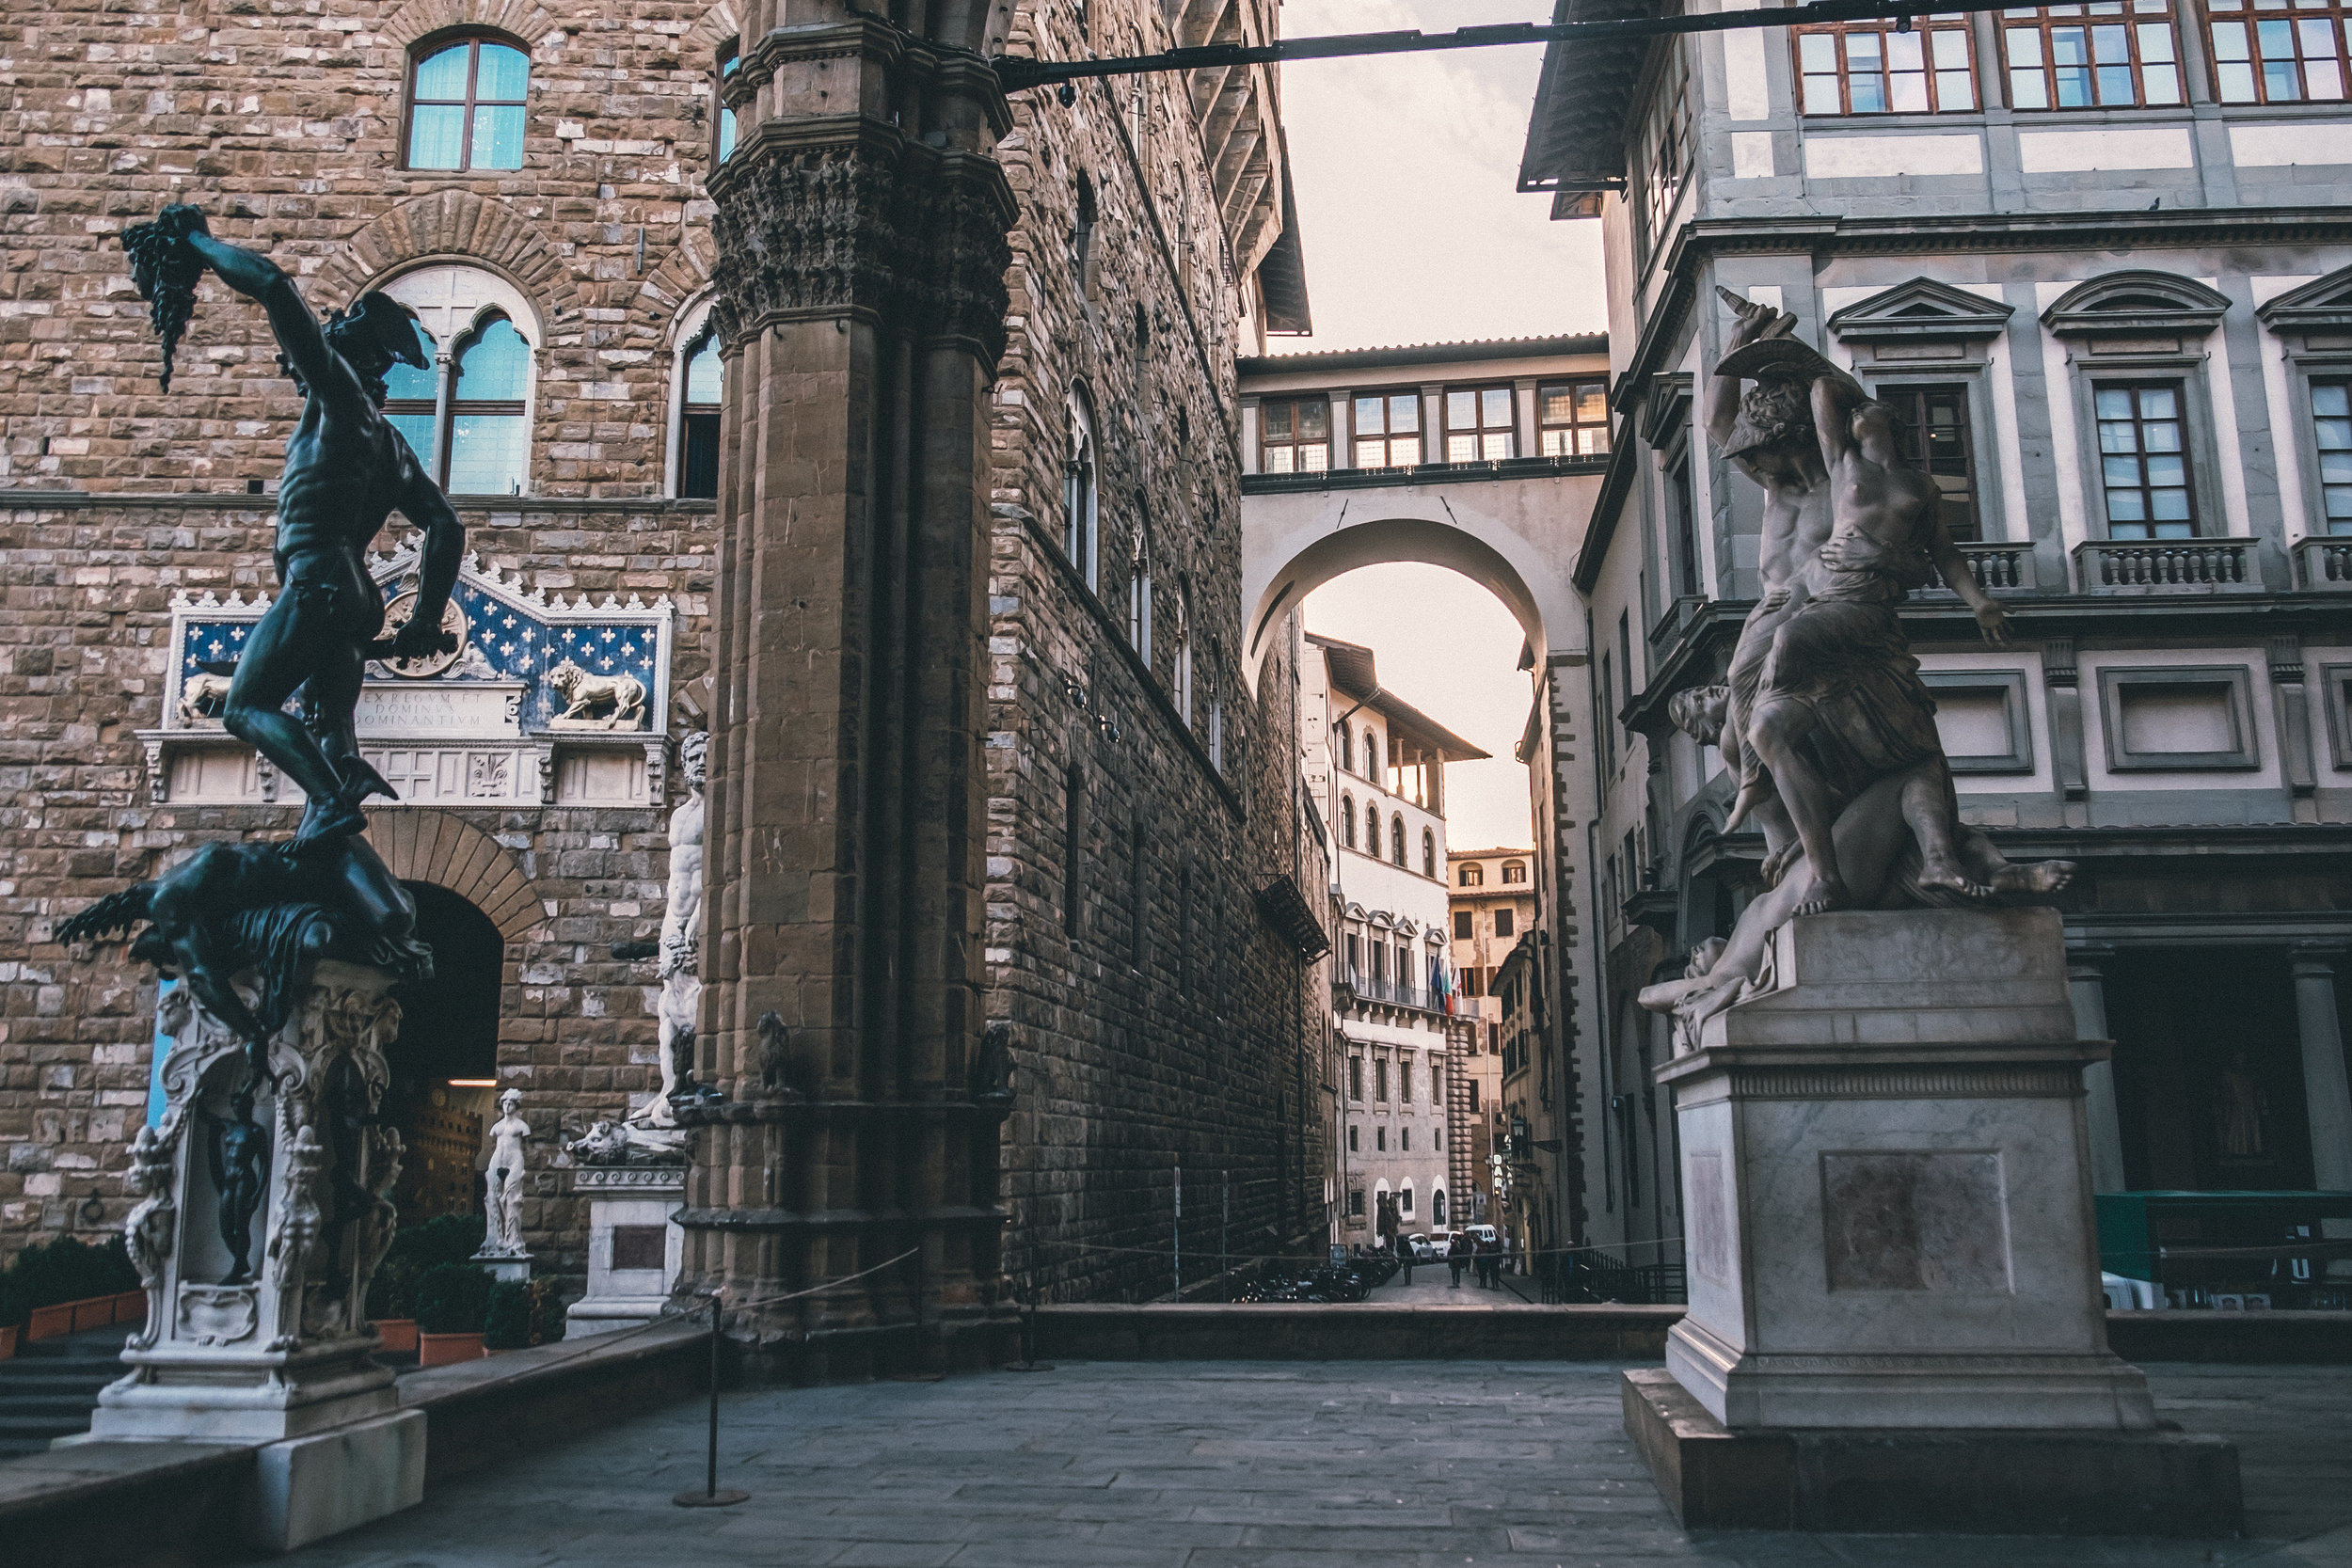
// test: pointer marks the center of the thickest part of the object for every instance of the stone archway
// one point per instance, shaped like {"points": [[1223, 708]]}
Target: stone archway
{"points": [[1516, 539], [420, 844]]}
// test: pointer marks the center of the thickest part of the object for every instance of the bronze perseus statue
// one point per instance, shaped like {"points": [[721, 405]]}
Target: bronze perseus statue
{"points": [[347, 469]]}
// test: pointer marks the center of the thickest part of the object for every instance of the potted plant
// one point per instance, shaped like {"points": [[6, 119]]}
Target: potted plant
{"points": [[506, 1324], [452, 1304], [415, 1250]]}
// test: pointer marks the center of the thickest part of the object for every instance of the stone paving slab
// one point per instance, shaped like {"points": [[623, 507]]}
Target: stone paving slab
{"points": [[1247, 1464]]}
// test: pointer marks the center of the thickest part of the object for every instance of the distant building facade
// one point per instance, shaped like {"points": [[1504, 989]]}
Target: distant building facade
{"points": [[1378, 764], [1493, 903], [2114, 310]]}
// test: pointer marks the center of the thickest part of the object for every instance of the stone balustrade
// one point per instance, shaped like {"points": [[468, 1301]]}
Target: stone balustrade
{"points": [[2168, 566], [2323, 565]]}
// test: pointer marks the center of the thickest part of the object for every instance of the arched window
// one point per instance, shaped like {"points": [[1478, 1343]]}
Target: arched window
{"points": [[1347, 749], [1079, 504], [1082, 239], [722, 117], [469, 417], [465, 104], [1347, 822], [1372, 754], [1473, 876], [1139, 596], [698, 417], [1428, 853], [1184, 651], [1515, 871], [1396, 839]]}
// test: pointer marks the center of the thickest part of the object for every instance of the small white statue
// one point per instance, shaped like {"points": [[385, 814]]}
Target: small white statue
{"points": [[681, 928], [503, 1181]]}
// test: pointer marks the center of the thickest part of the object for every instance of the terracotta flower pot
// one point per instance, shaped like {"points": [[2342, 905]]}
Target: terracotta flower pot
{"points": [[440, 1349], [398, 1334], [48, 1323], [8, 1341], [131, 1306]]}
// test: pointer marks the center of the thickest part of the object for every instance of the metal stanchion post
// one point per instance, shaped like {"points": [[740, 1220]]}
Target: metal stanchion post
{"points": [[710, 1497]]}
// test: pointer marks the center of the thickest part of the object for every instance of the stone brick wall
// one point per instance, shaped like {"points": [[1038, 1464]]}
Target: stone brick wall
{"points": [[286, 128], [1140, 1052]]}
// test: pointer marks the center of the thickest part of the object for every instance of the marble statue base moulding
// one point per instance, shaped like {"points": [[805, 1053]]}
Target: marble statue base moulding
{"points": [[257, 1328], [1889, 1231], [634, 1248]]}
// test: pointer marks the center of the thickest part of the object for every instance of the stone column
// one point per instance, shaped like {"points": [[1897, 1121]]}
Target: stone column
{"points": [[861, 233], [2087, 988], [2326, 1098]]}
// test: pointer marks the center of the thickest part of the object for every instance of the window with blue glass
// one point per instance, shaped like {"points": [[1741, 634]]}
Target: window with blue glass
{"points": [[2107, 55], [2278, 51], [466, 105], [412, 403], [486, 436], [2143, 458], [2331, 426], [698, 432], [730, 59]]}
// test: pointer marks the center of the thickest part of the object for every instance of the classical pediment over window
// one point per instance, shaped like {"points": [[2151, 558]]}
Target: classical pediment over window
{"points": [[2324, 305], [2147, 305], [1921, 310]]}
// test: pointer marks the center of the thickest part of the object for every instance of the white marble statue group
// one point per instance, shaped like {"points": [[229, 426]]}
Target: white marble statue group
{"points": [[1823, 720]]}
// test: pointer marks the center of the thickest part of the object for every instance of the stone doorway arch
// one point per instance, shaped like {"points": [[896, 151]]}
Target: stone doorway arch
{"points": [[421, 845]]}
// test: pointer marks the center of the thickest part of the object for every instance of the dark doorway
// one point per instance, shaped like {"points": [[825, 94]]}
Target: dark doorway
{"points": [[2208, 1070], [444, 1063]]}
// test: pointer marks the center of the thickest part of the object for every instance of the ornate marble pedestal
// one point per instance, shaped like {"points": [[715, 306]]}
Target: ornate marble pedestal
{"points": [[268, 1341], [1891, 1251], [634, 1244]]}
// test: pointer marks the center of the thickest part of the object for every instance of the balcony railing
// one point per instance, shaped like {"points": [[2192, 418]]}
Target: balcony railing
{"points": [[2323, 565], [1423, 473], [1998, 568], [2156, 566], [1369, 987]]}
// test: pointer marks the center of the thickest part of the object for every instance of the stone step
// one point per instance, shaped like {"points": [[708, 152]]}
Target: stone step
{"points": [[67, 1407], [39, 1429]]}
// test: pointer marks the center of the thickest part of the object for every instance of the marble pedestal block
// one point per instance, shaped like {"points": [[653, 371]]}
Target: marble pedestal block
{"points": [[1886, 1187], [634, 1246], [271, 1342], [504, 1265]]}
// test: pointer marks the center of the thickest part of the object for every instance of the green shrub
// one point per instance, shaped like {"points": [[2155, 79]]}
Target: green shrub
{"points": [[507, 1324], [453, 1298], [547, 1312], [46, 1274], [416, 1250]]}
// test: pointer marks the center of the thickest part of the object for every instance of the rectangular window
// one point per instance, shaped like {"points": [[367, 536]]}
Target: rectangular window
{"points": [[1404, 1080], [1353, 1146], [1387, 430], [1380, 1140], [1934, 435], [1355, 954], [1462, 923], [1869, 67], [1355, 1194], [1684, 505], [2276, 57], [2331, 430], [2143, 461], [1608, 726], [1379, 961], [1479, 425], [1473, 1096], [2090, 57], [1506, 923], [1381, 1080], [1573, 418], [1666, 149], [1295, 435], [1355, 1078]]}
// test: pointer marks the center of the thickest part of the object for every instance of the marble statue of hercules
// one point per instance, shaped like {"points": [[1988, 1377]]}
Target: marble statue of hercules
{"points": [[347, 469]]}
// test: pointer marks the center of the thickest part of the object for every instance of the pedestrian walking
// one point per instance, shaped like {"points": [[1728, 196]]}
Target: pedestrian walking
{"points": [[1490, 1264], [1457, 1258]]}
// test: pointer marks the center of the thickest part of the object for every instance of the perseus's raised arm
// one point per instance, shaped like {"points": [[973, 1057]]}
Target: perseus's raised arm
{"points": [[264, 281]]}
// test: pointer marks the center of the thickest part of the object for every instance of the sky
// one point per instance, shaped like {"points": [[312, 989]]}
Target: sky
{"points": [[1404, 168]]}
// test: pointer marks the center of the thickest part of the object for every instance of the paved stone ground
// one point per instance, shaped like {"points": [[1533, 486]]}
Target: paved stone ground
{"points": [[1258, 1465]]}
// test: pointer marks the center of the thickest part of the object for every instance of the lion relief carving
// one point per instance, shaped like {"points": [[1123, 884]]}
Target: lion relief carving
{"points": [[596, 702]]}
